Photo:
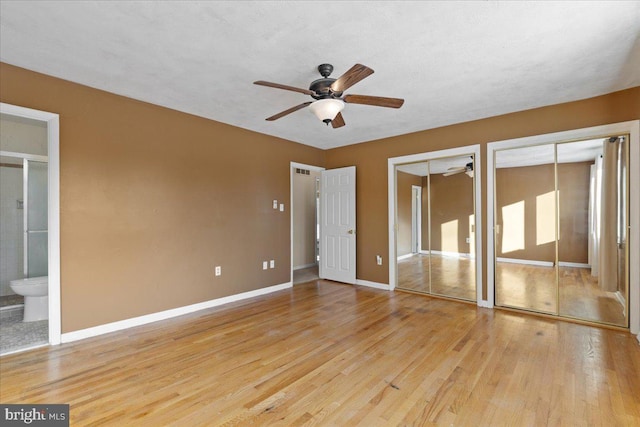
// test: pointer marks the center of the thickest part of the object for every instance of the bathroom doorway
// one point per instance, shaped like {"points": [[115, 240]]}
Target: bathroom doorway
{"points": [[29, 246]]}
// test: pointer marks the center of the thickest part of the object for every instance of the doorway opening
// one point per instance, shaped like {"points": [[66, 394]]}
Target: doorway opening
{"points": [[40, 231], [305, 215]]}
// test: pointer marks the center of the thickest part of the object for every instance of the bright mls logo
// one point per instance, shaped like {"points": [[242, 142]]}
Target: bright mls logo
{"points": [[34, 415]]}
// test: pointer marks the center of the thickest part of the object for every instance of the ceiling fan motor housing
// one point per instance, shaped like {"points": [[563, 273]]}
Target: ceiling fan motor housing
{"points": [[322, 89]]}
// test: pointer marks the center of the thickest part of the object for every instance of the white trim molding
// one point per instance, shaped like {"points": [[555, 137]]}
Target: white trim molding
{"points": [[52, 121], [391, 203], [573, 264], [167, 314], [632, 128], [526, 262], [405, 256], [372, 284]]}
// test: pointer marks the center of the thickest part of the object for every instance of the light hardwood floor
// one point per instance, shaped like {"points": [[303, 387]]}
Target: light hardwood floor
{"points": [[438, 275], [534, 287], [330, 354]]}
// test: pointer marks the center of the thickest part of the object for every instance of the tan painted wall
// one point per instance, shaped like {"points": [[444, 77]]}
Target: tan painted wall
{"points": [[515, 186], [573, 183], [404, 182], [152, 199], [370, 159], [451, 203], [304, 218], [527, 184]]}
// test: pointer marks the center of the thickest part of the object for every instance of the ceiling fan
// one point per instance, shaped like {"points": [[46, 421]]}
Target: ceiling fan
{"points": [[329, 95], [468, 169]]}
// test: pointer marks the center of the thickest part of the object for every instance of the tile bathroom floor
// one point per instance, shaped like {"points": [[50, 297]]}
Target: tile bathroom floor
{"points": [[16, 334]]}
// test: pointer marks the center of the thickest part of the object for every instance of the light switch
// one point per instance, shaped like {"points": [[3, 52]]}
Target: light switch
{"points": [[275, 204], [265, 265], [272, 264], [281, 207]]}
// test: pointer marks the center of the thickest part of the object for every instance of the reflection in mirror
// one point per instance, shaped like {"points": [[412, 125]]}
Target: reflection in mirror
{"points": [[436, 227], [525, 228], [561, 229], [592, 230]]}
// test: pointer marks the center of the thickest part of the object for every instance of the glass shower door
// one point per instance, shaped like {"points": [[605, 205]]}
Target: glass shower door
{"points": [[35, 218]]}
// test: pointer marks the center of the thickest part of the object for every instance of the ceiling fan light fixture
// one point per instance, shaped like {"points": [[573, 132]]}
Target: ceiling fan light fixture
{"points": [[326, 109]]}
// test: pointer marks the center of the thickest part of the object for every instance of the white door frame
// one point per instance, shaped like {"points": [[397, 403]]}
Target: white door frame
{"points": [[633, 129], [53, 153], [292, 167], [416, 215], [413, 158]]}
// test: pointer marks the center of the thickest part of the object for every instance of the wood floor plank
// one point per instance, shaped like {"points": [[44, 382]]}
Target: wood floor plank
{"points": [[330, 354]]}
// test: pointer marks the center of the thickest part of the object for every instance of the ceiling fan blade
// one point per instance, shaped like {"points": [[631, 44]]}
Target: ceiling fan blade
{"points": [[351, 77], [338, 121], [377, 101], [289, 111], [285, 87], [454, 171]]}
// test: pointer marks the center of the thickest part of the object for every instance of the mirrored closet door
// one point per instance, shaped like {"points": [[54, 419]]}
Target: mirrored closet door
{"points": [[435, 236], [561, 219]]}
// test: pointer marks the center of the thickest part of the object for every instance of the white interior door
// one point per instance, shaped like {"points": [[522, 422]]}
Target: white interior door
{"points": [[338, 224]]}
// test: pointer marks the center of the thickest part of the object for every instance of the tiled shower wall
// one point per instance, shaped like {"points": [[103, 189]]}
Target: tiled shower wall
{"points": [[11, 220]]}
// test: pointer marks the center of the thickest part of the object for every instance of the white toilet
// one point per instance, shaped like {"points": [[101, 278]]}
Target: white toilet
{"points": [[36, 297]]}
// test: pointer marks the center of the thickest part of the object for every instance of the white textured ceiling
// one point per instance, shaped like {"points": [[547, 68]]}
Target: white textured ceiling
{"points": [[451, 61]]}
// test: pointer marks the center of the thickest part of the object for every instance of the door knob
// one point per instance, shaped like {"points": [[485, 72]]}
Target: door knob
{"points": [[351, 231]]}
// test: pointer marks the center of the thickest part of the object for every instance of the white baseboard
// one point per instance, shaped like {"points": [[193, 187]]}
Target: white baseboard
{"points": [[372, 284], [484, 304], [300, 267], [424, 252], [167, 314], [622, 301], [451, 254], [401, 257], [525, 261], [574, 264]]}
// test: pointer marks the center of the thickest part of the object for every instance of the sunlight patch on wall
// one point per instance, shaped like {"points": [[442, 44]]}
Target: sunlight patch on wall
{"points": [[545, 218], [449, 233], [513, 227]]}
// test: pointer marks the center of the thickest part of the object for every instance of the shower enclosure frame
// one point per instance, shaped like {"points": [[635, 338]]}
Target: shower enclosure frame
{"points": [[26, 164], [52, 122]]}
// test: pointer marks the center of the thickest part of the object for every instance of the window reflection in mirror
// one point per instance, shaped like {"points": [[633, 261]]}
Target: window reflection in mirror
{"points": [[592, 230]]}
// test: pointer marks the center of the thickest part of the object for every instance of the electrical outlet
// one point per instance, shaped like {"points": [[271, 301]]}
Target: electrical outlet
{"points": [[468, 240], [379, 259], [265, 265], [272, 264], [275, 204], [218, 270], [281, 207]]}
